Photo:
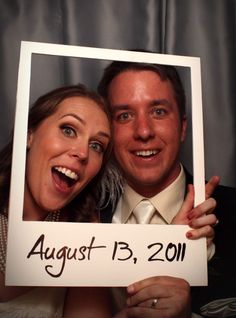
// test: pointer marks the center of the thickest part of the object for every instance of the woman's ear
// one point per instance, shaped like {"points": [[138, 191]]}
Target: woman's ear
{"points": [[29, 139]]}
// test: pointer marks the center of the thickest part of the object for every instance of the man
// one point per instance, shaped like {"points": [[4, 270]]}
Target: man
{"points": [[147, 103]]}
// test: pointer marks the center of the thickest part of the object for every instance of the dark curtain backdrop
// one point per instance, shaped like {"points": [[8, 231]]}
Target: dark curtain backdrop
{"points": [[206, 29]]}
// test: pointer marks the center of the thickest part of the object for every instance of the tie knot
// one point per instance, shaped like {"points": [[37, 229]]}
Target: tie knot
{"points": [[144, 211]]}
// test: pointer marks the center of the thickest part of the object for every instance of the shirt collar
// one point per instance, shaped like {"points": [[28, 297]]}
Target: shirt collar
{"points": [[168, 202]]}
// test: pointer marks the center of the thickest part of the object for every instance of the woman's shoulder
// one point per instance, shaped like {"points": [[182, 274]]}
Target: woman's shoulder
{"points": [[3, 222], [39, 302], [3, 241]]}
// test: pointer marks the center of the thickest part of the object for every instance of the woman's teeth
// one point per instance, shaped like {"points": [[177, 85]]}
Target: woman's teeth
{"points": [[67, 172]]}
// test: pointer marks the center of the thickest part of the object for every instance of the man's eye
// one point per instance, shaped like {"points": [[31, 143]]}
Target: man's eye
{"points": [[68, 131], [123, 116], [97, 147], [159, 112]]}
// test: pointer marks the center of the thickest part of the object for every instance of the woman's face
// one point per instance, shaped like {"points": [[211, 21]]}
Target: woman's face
{"points": [[64, 153]]}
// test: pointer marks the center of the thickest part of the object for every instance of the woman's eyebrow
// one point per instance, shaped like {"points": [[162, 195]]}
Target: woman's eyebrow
{"points": [[104, 134], [82, 121]]}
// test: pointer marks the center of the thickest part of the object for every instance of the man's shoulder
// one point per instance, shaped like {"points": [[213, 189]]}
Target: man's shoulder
{"points": [[225, 197], [221, 268], [226, 201], [225, 192], [225, 234]]}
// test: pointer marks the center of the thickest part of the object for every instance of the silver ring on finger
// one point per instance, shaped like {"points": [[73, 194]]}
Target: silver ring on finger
{"points": [[154, 302]]}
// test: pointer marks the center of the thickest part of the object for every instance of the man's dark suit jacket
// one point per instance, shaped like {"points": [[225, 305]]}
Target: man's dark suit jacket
{"points": [[222, 267]]}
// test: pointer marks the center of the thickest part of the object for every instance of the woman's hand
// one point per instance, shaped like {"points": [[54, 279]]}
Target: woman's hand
{"points": [[200, 218]]}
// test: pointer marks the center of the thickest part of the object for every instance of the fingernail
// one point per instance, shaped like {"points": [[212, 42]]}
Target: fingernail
{"points": [[189, 235]]}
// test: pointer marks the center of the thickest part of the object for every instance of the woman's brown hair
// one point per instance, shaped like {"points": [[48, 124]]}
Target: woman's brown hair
{"points": [[83, 207]]}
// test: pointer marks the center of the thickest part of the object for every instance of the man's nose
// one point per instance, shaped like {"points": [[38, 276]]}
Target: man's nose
{"points": [[143, 128]]}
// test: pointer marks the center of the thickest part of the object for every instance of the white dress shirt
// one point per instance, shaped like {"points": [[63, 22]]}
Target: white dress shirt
{"points": [[167, 203]]}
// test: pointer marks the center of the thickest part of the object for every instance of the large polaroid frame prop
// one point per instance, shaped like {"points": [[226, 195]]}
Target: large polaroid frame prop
{"points": [[88, 254]]}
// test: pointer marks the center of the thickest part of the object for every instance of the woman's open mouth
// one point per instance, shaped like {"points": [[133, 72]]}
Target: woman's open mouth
{"points": [[64, 177]]}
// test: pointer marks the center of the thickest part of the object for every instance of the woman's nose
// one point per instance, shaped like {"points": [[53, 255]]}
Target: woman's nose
{"points": [[81, 152]]}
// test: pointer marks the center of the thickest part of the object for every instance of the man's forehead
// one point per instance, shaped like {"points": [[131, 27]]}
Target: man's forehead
{"points": [[137, 72], [140, 84]]}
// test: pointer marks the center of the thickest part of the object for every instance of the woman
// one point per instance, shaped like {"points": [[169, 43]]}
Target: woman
{"points": [[69, 140]]}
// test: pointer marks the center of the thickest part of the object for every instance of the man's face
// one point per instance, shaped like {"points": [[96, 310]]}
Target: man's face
{"points": [[148, 131]]}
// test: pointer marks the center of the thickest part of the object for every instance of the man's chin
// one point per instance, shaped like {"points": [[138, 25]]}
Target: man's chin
{"points": [[146, 186]]}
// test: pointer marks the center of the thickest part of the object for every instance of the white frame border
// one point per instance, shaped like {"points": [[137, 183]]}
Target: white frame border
{"points": [[16, 225]]}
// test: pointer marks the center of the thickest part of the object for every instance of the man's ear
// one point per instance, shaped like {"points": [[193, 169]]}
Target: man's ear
{"points": [[184, 128], [29, 139]]}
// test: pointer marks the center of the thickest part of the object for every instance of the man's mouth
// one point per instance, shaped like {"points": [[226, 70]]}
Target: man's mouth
{"points": [[64, 177], [146, 153]]}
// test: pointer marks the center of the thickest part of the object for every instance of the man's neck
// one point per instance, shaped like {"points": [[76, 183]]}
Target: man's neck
{"points": [[150, 190]]}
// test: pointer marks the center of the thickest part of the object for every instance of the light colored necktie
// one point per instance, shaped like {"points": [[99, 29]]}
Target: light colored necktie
{"points": [[144, 211]]}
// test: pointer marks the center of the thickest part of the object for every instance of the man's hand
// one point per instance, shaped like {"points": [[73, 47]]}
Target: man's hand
{"points": [[156, 297]]}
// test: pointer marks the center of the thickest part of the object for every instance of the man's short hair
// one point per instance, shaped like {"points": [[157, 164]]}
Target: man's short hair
{"points": [[166, 72]]}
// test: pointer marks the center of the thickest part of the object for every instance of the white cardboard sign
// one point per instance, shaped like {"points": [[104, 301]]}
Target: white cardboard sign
{"points": [[88, 254]]}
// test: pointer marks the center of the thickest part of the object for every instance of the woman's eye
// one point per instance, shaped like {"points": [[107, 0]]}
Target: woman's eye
{"points": [[68, 131], [97, 147]]}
